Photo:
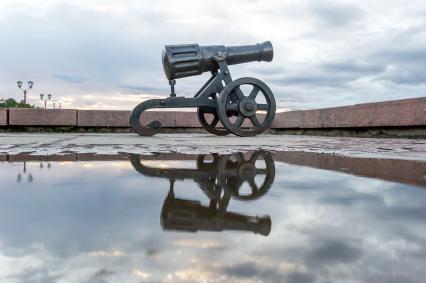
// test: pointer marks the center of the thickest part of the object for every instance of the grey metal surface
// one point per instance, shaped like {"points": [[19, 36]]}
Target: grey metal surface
{"points": [[217, 93], [186, 60]]}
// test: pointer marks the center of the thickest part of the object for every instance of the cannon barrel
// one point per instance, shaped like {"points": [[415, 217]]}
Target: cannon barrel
{"points": [[186, 60], [191, 216]]}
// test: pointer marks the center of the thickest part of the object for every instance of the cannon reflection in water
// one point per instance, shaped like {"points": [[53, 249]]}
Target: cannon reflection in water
{"points": [[220, 99], [221, 179]]}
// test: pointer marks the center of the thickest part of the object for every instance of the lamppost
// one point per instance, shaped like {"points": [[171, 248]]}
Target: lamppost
{"points": [[49, 96], [30, 86]]}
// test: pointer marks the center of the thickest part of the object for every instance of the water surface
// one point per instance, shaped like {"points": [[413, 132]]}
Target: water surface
{"points": [[262, 217]]}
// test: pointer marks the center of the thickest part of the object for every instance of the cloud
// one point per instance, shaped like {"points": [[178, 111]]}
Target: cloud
{"points": [[252, 270], [334, 252], [335, 14], [101, 276], [327, 53], [70, 79]]}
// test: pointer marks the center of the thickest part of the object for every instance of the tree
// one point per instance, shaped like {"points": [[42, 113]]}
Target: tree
{"points": [[12, 103]]}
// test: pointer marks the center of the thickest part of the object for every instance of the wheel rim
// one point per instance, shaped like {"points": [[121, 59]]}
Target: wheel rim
{"points": [[246, 107], [212, 126]]}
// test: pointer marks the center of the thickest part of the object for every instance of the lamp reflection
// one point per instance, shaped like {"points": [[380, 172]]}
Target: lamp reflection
{"points": [[30, 177], [221, 178]]}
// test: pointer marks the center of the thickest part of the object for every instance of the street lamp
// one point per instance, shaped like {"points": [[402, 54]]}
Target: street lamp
{"points": [[49, 97], [30, 86]]}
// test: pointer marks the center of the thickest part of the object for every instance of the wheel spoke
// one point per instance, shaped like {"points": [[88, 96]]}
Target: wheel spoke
{"points": [[239, 121], [254, 92], [239, 93], [254, 121], [253, 186], [232, 106], [215, 121], [262, 107], [254, 158]]}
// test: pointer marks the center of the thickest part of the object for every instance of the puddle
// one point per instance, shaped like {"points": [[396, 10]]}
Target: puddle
{"points": [[252, 217]]}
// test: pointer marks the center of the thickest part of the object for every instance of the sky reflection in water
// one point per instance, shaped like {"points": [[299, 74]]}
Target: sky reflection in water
{"points": [[99, 221]]}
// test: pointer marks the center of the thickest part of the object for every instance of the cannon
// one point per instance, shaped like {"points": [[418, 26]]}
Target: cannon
{"points": [[190, 216], [221, 179], [220, 99]]}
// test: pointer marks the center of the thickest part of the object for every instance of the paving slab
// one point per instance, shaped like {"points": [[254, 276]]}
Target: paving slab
{"points": [[110, 144]]}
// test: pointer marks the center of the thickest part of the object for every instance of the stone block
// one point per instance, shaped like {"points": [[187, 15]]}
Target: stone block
{"points": [[117, 118], [166, 117], [3, 117], [102, 118], [187, 119], [42, 117], [102, 157], [31, 158]]}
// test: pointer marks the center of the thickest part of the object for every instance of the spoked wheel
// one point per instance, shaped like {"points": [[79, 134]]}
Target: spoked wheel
{"points": [[233, 174], [212, 126], [246, 106]]}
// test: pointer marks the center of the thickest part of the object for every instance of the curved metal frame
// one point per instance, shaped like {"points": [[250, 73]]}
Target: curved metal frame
{"points": [[201, 99]]}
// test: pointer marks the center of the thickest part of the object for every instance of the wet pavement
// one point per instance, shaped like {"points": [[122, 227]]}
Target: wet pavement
{"points": [[279, 216], [110, 144]]}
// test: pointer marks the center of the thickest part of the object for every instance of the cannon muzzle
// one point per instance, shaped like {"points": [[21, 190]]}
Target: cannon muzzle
{"points": [[186, 60]]}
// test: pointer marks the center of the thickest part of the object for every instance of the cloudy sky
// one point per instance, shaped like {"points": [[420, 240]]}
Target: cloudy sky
{"points": [[106, 54]]}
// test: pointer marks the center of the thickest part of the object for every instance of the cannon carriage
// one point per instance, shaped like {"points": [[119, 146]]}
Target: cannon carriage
{"points": [[220, 99]]}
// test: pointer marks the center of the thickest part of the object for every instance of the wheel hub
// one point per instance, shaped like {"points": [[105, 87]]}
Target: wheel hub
{"points": [[247, 171], [247, 107]]}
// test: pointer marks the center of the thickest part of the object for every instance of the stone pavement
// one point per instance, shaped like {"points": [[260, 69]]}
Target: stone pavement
{"points": [[48, 144]]}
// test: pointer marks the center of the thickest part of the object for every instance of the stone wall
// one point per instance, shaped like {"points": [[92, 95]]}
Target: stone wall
{"points": [[399, 113], [406, 112]]}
